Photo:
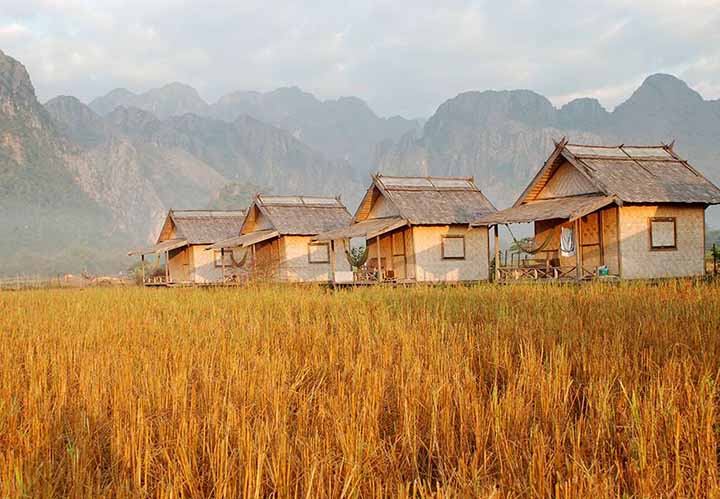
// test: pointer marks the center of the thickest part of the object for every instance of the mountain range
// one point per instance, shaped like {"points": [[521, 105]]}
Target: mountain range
{"points": [[81, 183]]}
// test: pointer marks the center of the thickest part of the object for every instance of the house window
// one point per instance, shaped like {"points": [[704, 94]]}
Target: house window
{"points": [[453, 247], [218, 258], [319, 252], [663, 234]]}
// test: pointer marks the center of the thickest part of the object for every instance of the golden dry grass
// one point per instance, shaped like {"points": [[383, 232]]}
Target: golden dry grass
{"points": [[471, 392]]}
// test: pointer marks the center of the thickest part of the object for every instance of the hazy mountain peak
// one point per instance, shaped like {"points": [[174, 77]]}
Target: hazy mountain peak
{"points": [[584, 113], [169, 100], [14, 79], [77, 121], [663, 89], [486, 107]]}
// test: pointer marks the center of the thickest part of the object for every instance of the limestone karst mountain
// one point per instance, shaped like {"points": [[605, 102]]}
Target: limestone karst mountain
{"points": [[502, 138]]}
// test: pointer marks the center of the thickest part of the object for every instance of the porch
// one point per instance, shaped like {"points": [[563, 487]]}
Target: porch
{"points": [[165, 263], [575, 239], [388, 256]]}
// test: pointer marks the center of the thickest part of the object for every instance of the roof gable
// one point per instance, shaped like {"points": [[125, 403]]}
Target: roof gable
{"points": [[168, 230], [425, 200], [633, 174], [201, 226], [296, 215]]}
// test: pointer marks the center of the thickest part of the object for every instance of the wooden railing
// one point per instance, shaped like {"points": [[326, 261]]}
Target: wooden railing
{"points": [[156, 280], [538, 273]]}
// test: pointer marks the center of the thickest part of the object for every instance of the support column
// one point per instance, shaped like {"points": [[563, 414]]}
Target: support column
{"points": [[332, 261], [142, 265], [222, 263], [497, 253], [578, 249], [253, 258], [379, 260], [167, 267]]}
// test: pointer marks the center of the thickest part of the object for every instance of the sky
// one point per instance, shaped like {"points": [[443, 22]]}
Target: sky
{"points": [[402, 57]]}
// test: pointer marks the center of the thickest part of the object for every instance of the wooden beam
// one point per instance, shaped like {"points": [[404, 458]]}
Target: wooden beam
{"points": [[379, 259], [167, 267], [332, 261], [222, 262], [619, 249], [578, 249], [497, 254], [601, 239]]}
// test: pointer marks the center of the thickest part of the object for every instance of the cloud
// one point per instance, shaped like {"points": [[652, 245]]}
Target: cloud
{"points": [[403, 57]]}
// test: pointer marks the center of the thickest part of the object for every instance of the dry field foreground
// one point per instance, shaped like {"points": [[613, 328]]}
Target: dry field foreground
{"points": [[487, 391]]}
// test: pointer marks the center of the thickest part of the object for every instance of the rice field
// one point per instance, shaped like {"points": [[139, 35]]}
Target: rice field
{"points": [[518, 391]]}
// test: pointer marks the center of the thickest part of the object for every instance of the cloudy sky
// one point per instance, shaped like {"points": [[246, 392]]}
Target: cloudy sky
{"points": [[403, 57]]}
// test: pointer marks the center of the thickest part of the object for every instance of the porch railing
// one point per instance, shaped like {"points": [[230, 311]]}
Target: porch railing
{"points": [[155, 280], [557, 273]]}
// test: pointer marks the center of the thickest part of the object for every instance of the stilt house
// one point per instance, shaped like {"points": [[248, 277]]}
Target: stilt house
{"points": [[634, 212], [417, 229], [182, 243], [277, 233]]}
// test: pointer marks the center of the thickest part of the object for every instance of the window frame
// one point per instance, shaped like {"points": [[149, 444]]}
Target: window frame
{"points": [[442, 246], [650, 233], [218, 260], [318, 243]]}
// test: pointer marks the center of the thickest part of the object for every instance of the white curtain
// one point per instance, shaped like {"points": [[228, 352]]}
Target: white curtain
{"points": [[567, 241]]}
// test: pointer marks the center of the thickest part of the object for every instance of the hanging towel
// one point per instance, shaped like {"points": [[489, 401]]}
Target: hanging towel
{"points": [[567, 241]]}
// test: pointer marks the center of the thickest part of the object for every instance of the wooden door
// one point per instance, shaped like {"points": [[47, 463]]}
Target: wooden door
{"points": [[591, 241]]}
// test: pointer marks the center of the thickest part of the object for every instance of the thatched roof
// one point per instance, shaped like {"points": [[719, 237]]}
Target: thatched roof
{"points": [[428, 200], [367, 229], [245, 240], [202, 226], [302, 215], [633, 174], [566, 208], [159, 248]]}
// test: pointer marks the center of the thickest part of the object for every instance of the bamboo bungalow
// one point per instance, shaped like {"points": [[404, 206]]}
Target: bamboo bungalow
{"points": [[276, 235], [182, 242], [633, 212], [417, 229]]}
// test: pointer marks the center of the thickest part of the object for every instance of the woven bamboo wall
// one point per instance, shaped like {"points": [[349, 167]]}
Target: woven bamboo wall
{"points": [[203, 263], [638, 261], [431, 267], [296, 267]]}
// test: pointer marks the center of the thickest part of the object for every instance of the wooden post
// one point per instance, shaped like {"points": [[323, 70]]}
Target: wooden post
{"points": [[497, 254], [619, 247], [578, 257], [167, 267], [332, 261], [601, 239], [379, 260], [142, 265], [253, 259], [222, 263]]}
